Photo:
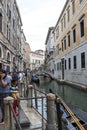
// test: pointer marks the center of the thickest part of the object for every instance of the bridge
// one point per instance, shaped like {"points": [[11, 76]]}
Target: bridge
{"points": [[45, 74]]}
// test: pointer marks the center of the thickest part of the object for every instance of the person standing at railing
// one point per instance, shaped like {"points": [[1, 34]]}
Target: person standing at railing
{"points": [[21, 80], [5, 82], [15, 92]]}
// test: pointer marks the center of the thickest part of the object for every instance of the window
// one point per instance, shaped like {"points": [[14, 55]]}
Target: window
{"points": [[9, 15], [69, 40], [9, 35], [74, 62], [0, 22], [14, 23], [65, 65], [60, 65], [54, 66], [69, 63], [64, 20], [73, 6], [83, 60], [82, 28], [64, 43], [57, 47], [62, 25], [68, 14], [80, 1], [74, 35], [7, 32], [8, 56], [7, 10], [57, 32], [13, 60]]}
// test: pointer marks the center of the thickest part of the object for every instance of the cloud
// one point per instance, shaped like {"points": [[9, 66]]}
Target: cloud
{"points": [[37, 17]]}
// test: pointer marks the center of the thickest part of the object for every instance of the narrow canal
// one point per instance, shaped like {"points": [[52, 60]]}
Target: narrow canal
{"points": [[70, 94]]}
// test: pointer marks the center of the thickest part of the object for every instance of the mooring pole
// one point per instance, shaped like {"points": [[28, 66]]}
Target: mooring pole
{"points": [[58, 113]]}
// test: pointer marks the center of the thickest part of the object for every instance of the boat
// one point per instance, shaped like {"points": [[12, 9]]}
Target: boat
{"points": [[35, 79]]}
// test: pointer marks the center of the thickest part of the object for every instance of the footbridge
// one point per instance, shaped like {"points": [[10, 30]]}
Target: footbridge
{"points": [[45, 74]]}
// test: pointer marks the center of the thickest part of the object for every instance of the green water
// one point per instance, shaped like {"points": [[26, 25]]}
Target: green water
{"points": [[69, 94]]}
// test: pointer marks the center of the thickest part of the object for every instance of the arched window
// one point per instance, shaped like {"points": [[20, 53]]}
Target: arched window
{"points": [[13, 60], [8, 56]]}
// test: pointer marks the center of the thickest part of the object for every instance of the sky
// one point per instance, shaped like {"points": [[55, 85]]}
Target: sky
{"points": [[37, 16]]}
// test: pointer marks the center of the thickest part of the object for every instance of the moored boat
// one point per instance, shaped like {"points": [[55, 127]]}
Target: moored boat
{"points": [[35, 79]]}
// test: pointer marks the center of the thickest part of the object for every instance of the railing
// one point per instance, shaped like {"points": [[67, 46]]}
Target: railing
{"points": [[37, 102], [32, 100], [10, 116], [37, 99], [15, 117]]}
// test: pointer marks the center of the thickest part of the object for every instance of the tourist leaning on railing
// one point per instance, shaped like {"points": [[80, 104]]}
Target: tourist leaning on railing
{"points": [[5, 82], [15, 92]]}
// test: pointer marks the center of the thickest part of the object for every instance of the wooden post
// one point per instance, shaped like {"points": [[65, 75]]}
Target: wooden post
{"points": [[30, 88], [51, 116], [8, 113]]}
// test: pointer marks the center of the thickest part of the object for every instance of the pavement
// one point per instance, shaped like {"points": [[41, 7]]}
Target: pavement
{"points": [[33, 117]]}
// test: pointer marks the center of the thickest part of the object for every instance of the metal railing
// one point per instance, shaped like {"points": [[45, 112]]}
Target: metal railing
{"points": [[15, 117]]}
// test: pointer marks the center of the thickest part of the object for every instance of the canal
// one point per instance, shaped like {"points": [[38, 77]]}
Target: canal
{"points": [[70, 94]]}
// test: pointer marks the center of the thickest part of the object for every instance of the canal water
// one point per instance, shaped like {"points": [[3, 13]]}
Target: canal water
{"points": [[69, 94]]}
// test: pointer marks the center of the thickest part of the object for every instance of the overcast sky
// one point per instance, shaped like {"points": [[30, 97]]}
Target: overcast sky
{"points": [[37, 16]]}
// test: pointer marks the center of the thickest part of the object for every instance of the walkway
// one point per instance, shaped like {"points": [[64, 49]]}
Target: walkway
{"points": [[29, 118], [33, 116]]}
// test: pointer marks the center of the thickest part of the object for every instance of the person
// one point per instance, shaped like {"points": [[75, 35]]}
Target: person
{"points": [[4, 91], [15, 92], [20, 75], [21, 80]]}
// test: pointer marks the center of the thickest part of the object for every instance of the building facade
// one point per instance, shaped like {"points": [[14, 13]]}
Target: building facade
{"points": [[27, 51], [49, 47], [10, 35], [36, 59], [70, 42]]}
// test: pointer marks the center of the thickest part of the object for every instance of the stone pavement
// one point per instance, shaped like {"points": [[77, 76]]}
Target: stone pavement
{"points": [[33, 116]]}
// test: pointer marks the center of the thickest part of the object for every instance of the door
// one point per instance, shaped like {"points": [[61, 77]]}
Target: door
{"points": [[62, 67]]}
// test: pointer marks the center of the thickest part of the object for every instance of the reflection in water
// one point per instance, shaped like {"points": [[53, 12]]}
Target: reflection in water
{"points": [[69, 94]]}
